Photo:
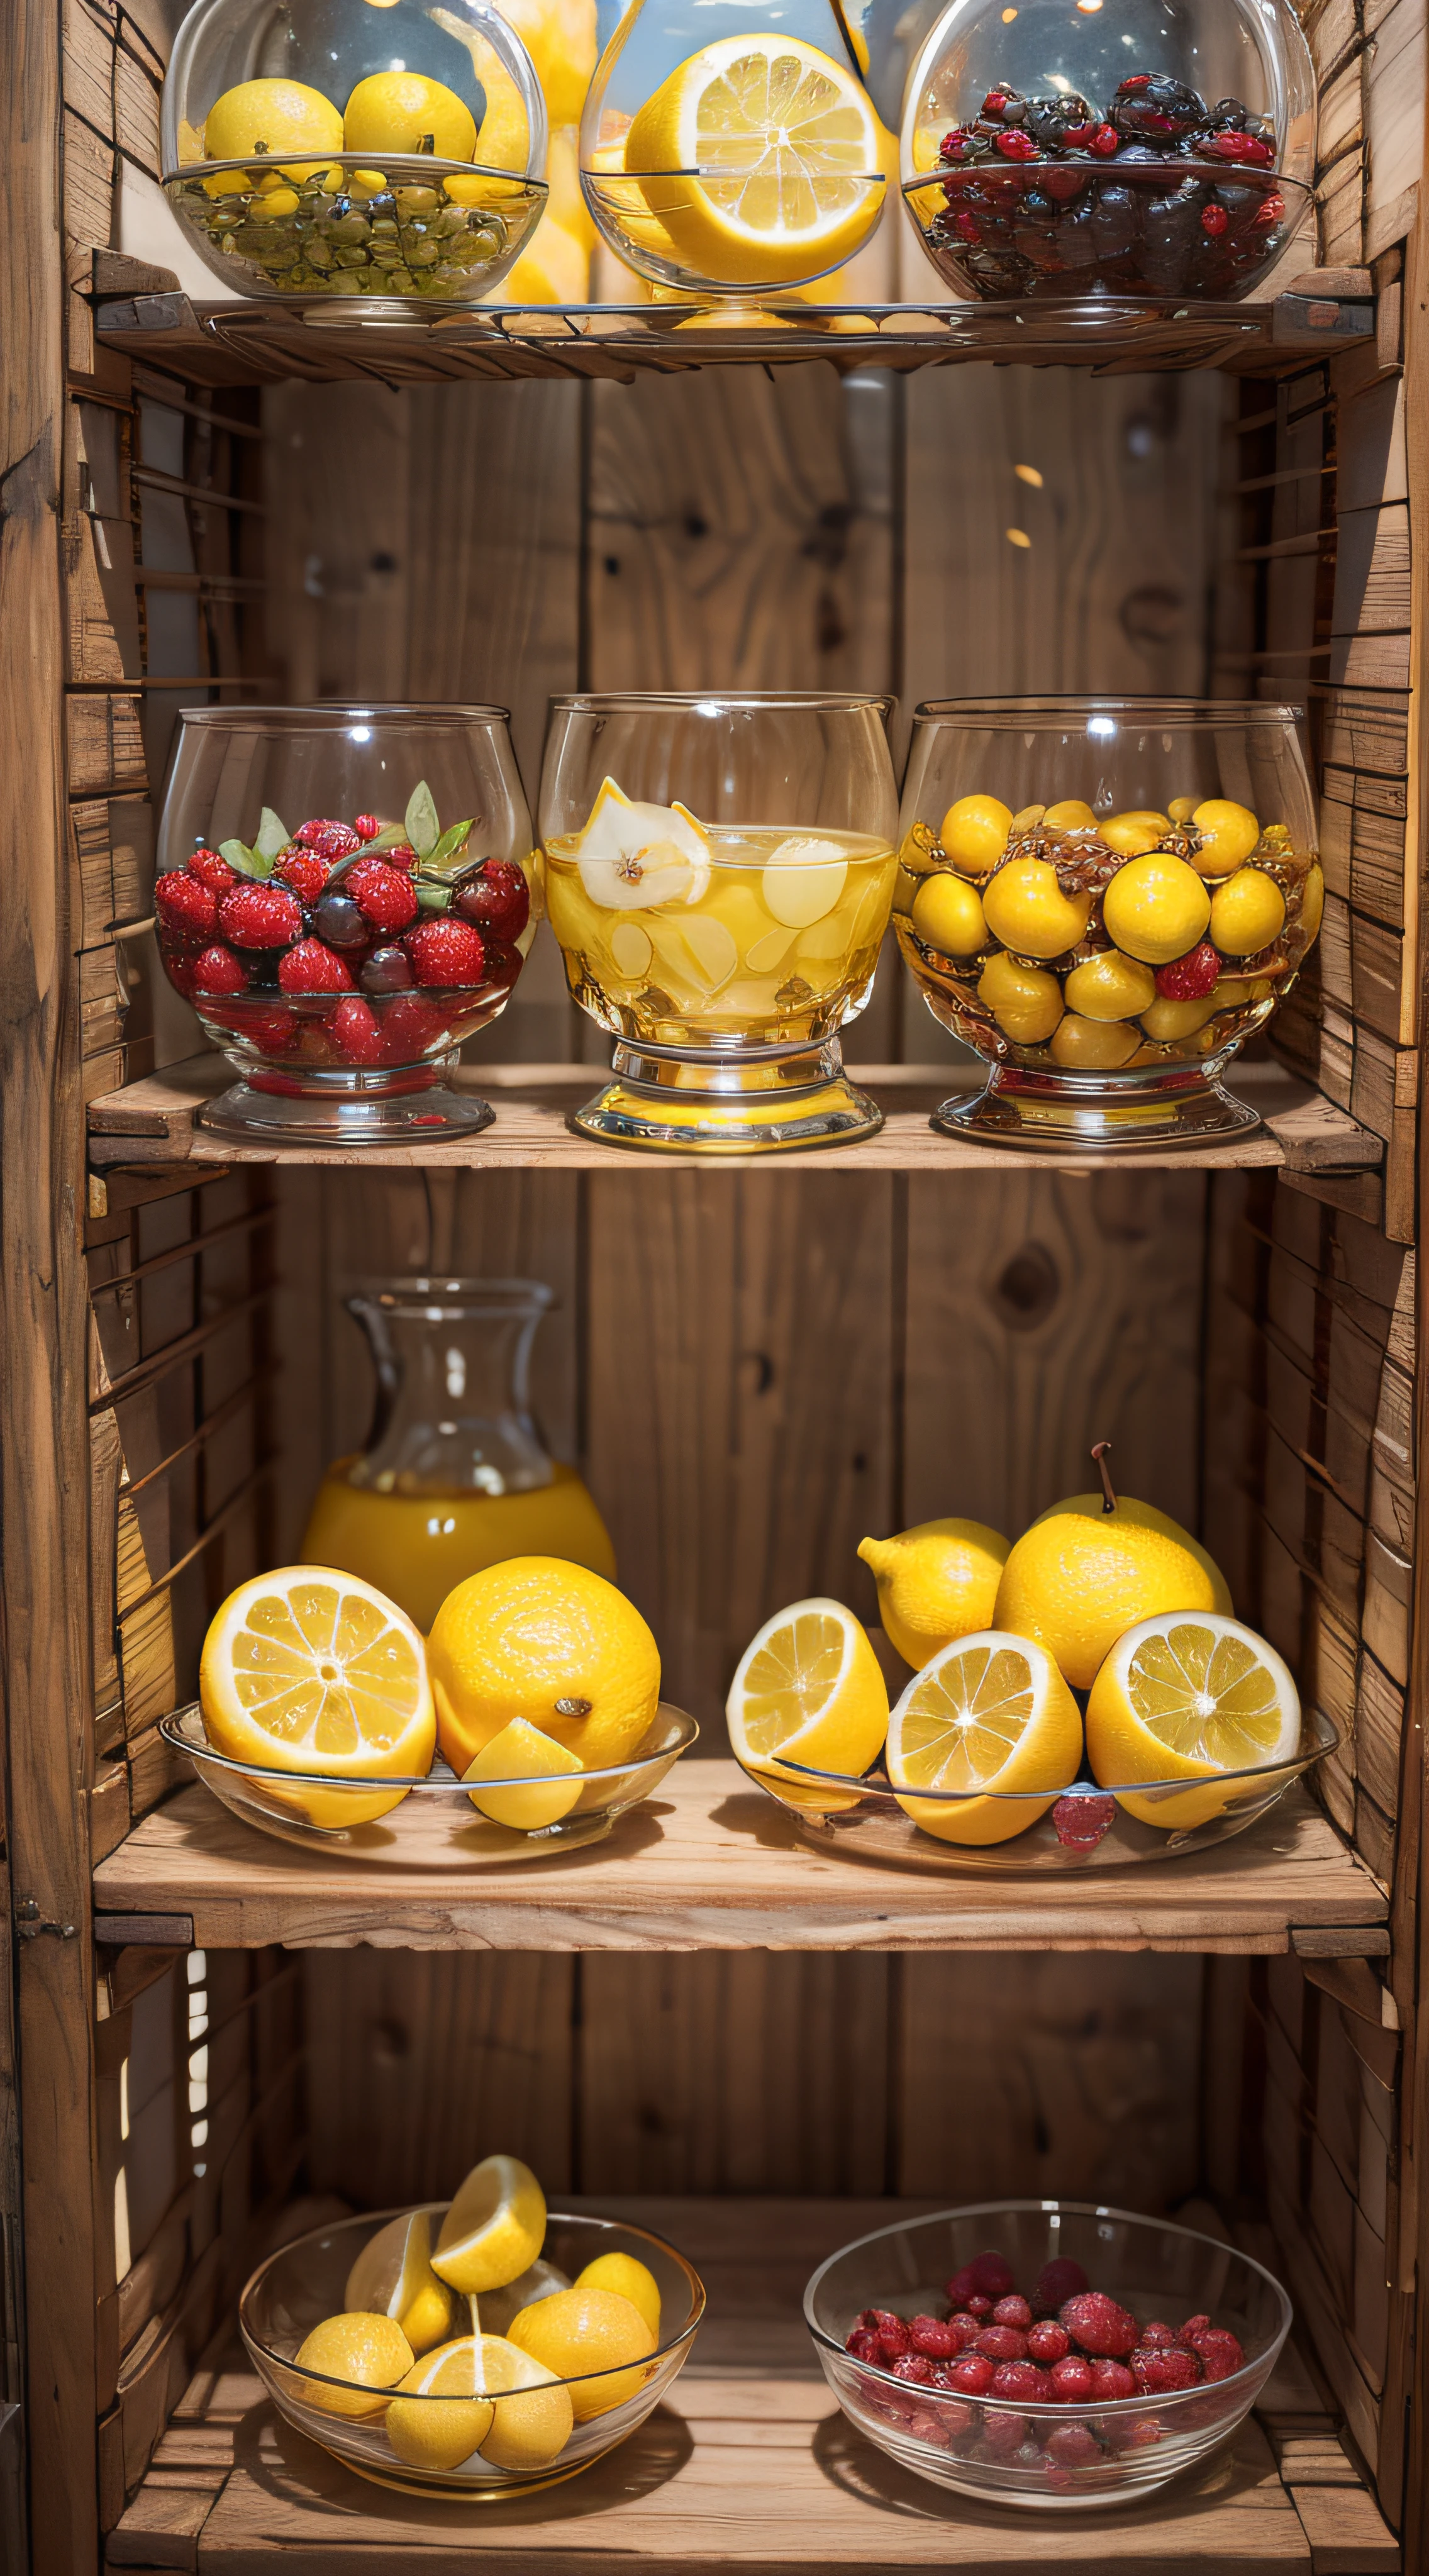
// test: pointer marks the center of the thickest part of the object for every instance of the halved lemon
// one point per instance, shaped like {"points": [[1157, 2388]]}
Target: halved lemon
{"points": [[306, 1669], [523, 1752], [393, 2277], [777, 150], [990, 1713], [494, 2229], [808, 1689], [1188, 1698]]}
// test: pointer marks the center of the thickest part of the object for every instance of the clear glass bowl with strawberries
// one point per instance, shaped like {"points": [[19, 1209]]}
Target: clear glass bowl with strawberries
{"points": [[345, 894], [1046, 2353], [1104, 897]]}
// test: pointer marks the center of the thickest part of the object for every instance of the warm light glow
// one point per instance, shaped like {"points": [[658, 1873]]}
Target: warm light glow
{"points": [[1028, 474], [1007, 17], [1089, 6], [1018, 537]]}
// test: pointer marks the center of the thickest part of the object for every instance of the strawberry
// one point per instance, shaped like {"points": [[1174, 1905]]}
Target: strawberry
{"points": [[1002, 2343], [310, 832], [219, 971], [1012, 2311], [1021, 2379], [987, 2276], [1098, 2324], [1112, 2379], [212, 871], [385, 895], [260, 916], [972, 2374], [446, 952], [335, 841], [185, 906], [272, 1030], [311, 968], [303, 870], [1218, 2351], [412, 1029], [355, 1032], [1074, 2446], [1159, 2368], [1192, 977], [1048, 2342], [1071, 2380]]}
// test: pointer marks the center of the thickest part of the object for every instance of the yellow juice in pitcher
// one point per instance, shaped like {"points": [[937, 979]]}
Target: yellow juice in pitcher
{"points": [[417, 1547]]}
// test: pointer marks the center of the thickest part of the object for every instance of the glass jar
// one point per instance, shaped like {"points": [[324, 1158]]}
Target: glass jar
{"points": [[719, 871], [1104, 897], [429, 129], [455, 1474], [1051, 150], [735, 166], [345, 894]]}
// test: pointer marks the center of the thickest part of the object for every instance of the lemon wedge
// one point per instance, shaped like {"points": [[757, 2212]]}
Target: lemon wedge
{"points": [[441, 2437], [808, 1689], [307, 1669], [1185, 1699], [393, 2277], [494, 2228], [760, 157], [520, 1752], [632, 855], [990, 1713]]}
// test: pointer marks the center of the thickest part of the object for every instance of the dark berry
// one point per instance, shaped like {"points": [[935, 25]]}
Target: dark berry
{"points": [[384, 895], [260, 916], [341, 922], [1002, 2343], [1096, 2323], [212, 871], [1048, 2342], [1058, 2281], [1071, 2380], [935, 2337], [1159, 2368], [366, 826], [303, 870], [1021, 2379], [497, 898], [387, 970], [1192, 977], [312, 968], [1012, 2311], [185, 905], [219, 971], [1111, 2379], [1074, 2446], [971, 2374], [446, 952], [355, 1032], [503, 962], [988, 2276]]}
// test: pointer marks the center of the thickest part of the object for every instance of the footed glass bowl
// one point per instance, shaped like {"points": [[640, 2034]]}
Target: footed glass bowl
{"points": [[1002, 2451], [300, 2285], [433, 1822], [1087, 1828]]}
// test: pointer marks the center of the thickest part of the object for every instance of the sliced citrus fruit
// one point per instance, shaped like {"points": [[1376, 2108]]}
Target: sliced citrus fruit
{"points": [[1186, 1699], [761, 157], [522, 1752], [307, 1669], [808, 1689], [534, 2413], [393, 2277], [991, 1714], [494, 2228], [441, 2437]]}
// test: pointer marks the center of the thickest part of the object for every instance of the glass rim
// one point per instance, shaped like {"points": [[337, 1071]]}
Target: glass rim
{"points": [[434, 1294], [715, 702], [174, 1730], [324, 716], [1155, 714], [313, 158]]}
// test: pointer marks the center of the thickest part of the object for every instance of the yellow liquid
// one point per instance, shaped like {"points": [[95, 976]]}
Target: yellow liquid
{"points": [[417, 1547]]}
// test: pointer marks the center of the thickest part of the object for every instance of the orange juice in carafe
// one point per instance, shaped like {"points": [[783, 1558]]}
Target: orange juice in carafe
{"points": [[456, 1474]]}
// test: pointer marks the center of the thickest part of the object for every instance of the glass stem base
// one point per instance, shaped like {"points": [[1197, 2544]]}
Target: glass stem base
{"points": [[413, 1104], [1126, 1113], [764, 1100]]}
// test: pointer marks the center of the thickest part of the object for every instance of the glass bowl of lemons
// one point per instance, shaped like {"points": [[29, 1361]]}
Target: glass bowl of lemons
{"points": [[379, 155], [526, 1722], [1085, 1698], [476, 2347]]}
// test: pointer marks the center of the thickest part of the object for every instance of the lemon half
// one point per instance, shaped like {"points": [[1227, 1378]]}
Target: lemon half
{"points": [[990, 1713], [1187, 1699], [808, 1689], [393, 2277], [494, 2229], [307, 1669]]}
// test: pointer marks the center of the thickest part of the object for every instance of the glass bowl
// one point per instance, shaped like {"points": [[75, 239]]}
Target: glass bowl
{"points": [[342, 999], [1060, 151], [1104, 897], [1149, 2266], [720, 872], [1086, 1828], [397, 99], [300, 2285], [431, 1822]]}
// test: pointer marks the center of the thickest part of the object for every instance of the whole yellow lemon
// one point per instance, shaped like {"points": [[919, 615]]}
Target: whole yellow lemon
{"points": [[1092, 1046], [974, 833], [1228, 832], [1027, 910], [261, 118], [1155, 908], [407, 112], [541, 1639], [936, 1582], [1247, 912], [1025, 1001], [1081, 1576], [367, 2355], [948, 913], [1109, 987], [581, 2332]]}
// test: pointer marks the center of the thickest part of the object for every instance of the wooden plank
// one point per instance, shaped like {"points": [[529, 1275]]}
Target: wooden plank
{"points": [[1348, 2535], [714, 1865]]}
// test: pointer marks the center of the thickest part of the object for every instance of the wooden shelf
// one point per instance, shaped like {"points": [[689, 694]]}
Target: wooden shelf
{"points": [[748, 2463], [711, 1863], [245, 343], [154, 1122]]}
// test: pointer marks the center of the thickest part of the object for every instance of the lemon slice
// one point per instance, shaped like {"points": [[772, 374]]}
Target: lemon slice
{"points": [[441, 2437], [306, 1669], [632, 855], [803, 880], [494, 2228], [1185, 1699], [989, 1713], [521, 1752], [776, 147], [808, 1689]]}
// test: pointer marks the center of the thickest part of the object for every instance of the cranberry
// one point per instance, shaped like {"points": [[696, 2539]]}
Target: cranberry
{"points": [[496, 897], [1004, 2435], [1074, 2446], [1214, 220], [935, 2337], [1098, 2324], [1057, 2282], [1048, 2342], [366, 826], [862, 2344], [1079, 1823], [1112, 2379], [988, 2276], [1071, 2380], [971, 2374], [1021, 2379], [1012, 2311], [1002, 2343], [914, 2366]]}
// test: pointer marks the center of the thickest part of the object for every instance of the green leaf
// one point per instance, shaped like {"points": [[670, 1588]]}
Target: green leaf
{"points": [[447, 847], [273, 834], [246, 862], [393, 836], [433, 898], [423, 829]]}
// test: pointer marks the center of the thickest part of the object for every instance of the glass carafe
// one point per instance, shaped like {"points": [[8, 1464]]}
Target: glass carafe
{"points": [[455, 1474]]}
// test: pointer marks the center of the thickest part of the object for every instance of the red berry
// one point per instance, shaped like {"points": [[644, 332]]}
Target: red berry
{"points": [[1160, 2368], [1193, 2326], [1014, 145], [968, 2328], [1192, 977], [260, 916], [1003, 2435], [935, 2337], [1071, 2380], [303, 870], [1080, 1823], [978, 2306], [1104, 141], [1048, 2342], [1268, 212], [862, 2344], [311, 968], [219, 971], [384, 895], [1098, 2324], [995, 102], [971, 2374], [310, 833], [412, 1029], [212, 871], [1074, 2446], [894, 2340], [874, 2318], [1156, 2332], [401, 855], [366, 826], [498, 900], [1214, 220], [272, 1031], [445, 952], [988, 2276], [1002, 2343], [335, 841], [1021, 2379], [1057, 2282], [1111, 2379], [1131, 2433], [914, 2366], [185, 906], [1218, 2351], [1012, 2311], [355, 1032]]}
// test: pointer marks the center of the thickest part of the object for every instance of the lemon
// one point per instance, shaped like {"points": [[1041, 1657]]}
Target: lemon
{"points": [[1132, 834], [992, 1713], [948, 913], [1109, 987], [780, 145], [441, 2437], [368, 2353], [936, 1582], [581, 2332], [261, 118], [516, 1753], [393, 2277], [1181, 808], [1027, 910], [1081, 1576], [802, 881], [494, 2228], [560, 36], [1312, 900], [1168, 1020], [1092, 1046], [1228, 834], [554, 269], [1156, 908], [538, 1638], [407, 112], [1072, 815], [631, 2278], [1185, 1699], [808, 1689], [306, 1669], [538, 2281], [1025, 1002], [534, 2414], [1247, 912], [975, 833]]}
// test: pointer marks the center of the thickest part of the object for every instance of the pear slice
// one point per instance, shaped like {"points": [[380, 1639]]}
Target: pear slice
{"points": [[631, 856]]}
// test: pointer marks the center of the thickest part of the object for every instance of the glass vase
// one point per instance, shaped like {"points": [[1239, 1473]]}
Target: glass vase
{"points": [[455, 1474]]}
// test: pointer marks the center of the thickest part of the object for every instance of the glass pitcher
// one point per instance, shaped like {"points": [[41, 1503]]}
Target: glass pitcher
{"points": [[455, 1474]]}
